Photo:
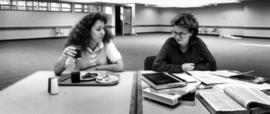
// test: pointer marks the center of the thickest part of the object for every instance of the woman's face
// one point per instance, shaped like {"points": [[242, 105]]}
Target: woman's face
{"points": [[97, 31], [181, 35]]}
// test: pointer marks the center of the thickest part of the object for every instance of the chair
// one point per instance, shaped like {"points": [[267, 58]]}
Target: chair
{"points": [[148, 62]]}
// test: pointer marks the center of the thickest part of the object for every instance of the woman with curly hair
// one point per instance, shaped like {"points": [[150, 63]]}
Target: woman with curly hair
{"points": [[184, 51], [97, 51]]}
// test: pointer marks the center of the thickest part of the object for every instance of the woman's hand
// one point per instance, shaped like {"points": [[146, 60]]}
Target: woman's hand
{"points": [[70, 51], [188, 66]]}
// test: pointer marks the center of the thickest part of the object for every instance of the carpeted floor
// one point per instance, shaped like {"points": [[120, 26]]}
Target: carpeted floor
{"points": [[19, 59]]}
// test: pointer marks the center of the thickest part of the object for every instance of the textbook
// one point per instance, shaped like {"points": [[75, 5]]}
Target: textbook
{"points": [[169, 99], [248, 97], [234, 99], [161, 80]]}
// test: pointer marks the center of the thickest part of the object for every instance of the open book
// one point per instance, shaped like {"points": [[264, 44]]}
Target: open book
{"points": [[185, 77], [217, 102], [238, 100], [220, 76], [248, 97], [228, 73], [243, 76]]}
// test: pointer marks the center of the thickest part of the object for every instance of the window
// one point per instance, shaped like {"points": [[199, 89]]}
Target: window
{"points": [[39, 5], [55, 7], [29, 5], [35, 6], [21, 5], [43, 6], [91, 8], [87, 8], [5, 4], [96, 8], [78, 8], [108, 10], [66, 7]]}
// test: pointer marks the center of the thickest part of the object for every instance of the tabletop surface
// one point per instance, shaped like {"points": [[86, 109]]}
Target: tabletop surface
{"points": [[151, 107], [30, 95]]}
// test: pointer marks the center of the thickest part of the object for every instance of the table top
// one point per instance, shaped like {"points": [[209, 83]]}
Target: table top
{"points": [[30, 95], [151, 107]]}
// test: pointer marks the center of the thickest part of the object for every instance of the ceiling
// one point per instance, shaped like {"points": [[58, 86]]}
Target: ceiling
{"points": [[163, 3]]}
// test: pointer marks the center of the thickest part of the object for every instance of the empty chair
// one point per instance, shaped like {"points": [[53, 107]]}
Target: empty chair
{"points": [[148, 62]]}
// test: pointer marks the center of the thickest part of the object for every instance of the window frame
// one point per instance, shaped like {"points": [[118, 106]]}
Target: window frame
{"points": [[46, 6]]}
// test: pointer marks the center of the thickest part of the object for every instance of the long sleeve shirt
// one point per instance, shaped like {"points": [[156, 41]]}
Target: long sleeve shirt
{"points": [[170, 58]]}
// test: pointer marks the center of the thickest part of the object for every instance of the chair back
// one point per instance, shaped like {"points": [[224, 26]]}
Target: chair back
{"points": [[148, 62]]}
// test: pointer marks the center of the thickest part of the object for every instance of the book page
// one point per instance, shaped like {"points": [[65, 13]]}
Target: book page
{"points": [[246, 96], [207, 78], [225, 73], [231, 82], [219, 101], [186, 77]]}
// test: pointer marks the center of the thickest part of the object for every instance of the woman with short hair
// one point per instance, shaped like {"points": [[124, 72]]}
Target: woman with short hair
{"points": [[184, 51]]}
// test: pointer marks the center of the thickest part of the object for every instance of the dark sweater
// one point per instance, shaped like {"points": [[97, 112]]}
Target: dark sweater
{"points": [[170, 57]]}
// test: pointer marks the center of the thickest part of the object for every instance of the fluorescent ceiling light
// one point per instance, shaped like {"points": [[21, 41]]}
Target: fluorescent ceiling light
{"points": [[189, 3], [161, 3]]}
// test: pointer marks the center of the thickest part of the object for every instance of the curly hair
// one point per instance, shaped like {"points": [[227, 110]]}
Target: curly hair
{"points": [[81, 33], [188, 21]]}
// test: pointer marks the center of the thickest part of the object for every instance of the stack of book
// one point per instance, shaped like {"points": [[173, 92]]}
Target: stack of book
{"points": [[167, 88]]}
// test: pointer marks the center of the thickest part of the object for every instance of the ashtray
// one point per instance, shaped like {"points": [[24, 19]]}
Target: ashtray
{"points": [[89, 76]]}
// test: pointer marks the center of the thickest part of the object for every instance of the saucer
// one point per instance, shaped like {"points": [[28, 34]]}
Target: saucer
{"points": [[107, 78]]}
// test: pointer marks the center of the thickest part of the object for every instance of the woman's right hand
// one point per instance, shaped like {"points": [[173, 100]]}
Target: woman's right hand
{"points": [[188, 66], [70, 51]]}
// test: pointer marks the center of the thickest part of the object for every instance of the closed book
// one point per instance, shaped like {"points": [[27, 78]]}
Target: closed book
{"points": [[168, 99], [161, 80]]}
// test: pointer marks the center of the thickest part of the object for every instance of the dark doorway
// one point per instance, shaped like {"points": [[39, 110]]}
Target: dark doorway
{"points": [[118, 21]]}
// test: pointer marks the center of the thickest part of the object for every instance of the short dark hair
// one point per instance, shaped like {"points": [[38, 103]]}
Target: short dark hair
{"points": [[81, 33], [186, 20]]}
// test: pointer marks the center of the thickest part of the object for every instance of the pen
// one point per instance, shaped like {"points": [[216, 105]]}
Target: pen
{"points": [[63, 78], [205, 86], [197, 86], [247, 72], [187, 73]]}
